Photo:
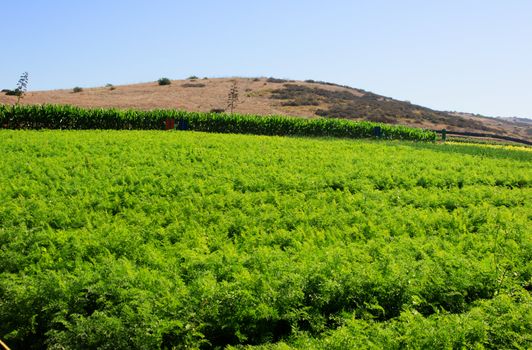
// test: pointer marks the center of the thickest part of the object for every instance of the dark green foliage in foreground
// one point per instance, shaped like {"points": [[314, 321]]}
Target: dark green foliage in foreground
{"points": [[69, 117], [149, 239]]}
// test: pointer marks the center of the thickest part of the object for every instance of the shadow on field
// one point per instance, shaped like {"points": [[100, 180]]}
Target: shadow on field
{"points": [[481, 151]]}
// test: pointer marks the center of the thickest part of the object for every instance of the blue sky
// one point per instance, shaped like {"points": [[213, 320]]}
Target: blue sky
{"points": [[467, 55]]}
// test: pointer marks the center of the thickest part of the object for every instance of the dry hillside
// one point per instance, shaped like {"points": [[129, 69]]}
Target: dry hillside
{"points": [[264, 96]]}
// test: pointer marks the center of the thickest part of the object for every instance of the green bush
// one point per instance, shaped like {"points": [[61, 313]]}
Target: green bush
{"points": [[164, 81], [276, 80], [77, 89], [10, 92]]}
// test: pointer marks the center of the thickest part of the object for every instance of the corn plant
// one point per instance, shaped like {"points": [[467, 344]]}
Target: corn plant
{"points": [[70, 117]]}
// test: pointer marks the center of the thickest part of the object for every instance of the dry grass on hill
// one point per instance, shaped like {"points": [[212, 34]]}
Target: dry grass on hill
{"points": [[273, 96]]}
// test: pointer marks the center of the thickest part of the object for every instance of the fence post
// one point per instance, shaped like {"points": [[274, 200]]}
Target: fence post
{"points": [[443, 135]]}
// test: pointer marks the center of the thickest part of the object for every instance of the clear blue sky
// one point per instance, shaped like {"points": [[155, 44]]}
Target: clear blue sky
{"points": [[465, 55]]}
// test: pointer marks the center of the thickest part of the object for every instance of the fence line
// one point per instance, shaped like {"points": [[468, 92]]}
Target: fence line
{"points": [[493, 136]]}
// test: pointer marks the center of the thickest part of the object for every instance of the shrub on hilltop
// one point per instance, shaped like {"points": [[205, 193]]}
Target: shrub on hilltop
{"points": [[164, 81]]}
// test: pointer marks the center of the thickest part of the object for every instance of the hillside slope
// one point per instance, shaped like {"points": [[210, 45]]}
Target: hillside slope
{"points": [[277, 96]]}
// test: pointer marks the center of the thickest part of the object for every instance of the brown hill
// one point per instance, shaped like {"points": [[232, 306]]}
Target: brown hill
{"points": [[264, 96]]}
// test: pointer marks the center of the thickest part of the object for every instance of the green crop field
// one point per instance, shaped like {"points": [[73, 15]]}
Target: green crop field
{"points": [[153, 239], [75, 118]]}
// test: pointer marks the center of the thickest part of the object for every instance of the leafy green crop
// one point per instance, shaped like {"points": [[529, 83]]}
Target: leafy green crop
{"points": [[69, 117], [150, 239]]}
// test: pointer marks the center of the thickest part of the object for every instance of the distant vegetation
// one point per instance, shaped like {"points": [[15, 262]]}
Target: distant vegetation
{"points": [[369, 106], [77, 89], [276, 80], [164, 81], [21, 88], [233, 97], [69, 117], [193, 85], [9, 92]]}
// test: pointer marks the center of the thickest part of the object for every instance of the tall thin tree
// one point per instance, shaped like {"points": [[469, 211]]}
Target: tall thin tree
{"points": [[22, 86], [232, 97]]}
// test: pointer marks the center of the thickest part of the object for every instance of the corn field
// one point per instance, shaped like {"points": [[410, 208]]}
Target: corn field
{"points": [[70, 117]]}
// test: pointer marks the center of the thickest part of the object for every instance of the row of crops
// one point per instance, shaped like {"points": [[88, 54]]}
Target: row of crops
{"points": [[148, 240], [70, 117]]}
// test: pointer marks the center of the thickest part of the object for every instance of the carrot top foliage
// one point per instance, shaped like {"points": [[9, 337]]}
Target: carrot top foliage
{"points": [[70, 117], [150, 239]]}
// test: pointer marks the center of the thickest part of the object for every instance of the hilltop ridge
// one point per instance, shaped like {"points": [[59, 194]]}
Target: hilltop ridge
{"points": [[267, 96]]}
